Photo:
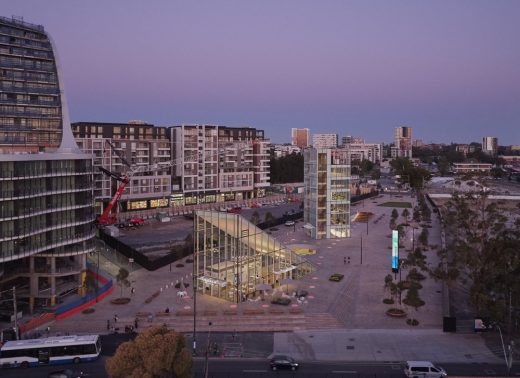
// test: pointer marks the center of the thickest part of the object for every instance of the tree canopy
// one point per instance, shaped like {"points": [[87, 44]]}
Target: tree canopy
{"points": [[482, 253], [155, 353], [410, 174], [286, 169]]}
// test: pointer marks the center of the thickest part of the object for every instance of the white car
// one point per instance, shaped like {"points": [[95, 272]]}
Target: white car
{"points": [[289, 223], [423, 369]]}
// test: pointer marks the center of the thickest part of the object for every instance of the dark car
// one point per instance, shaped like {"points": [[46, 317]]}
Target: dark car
{"points": [[67, 373], [283, 362]]}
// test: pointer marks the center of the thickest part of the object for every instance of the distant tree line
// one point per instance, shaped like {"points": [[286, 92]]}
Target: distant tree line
{"points": [[286, 169]]}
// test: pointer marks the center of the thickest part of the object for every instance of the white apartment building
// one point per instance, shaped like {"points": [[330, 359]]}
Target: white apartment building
{"points": [[281, 150], [219, 163], [365, 151], [325, 140], [490, 145]]}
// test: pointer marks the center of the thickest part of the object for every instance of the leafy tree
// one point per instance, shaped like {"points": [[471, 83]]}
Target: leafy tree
{"points": [[255, 217], [414, 176], [482, 254], [122, 279], [423, 237], [90, 283], [286, 169], [155, 353], [268, 217], [405, 214]]}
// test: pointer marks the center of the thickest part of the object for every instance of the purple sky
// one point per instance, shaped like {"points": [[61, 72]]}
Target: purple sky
{"points": [[449, 69]]}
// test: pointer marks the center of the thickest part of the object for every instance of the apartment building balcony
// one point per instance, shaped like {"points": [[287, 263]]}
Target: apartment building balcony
{"points": [[28, 65], [12, 113], [28, 76], [73, 248], [28, 90], [28, 102], [27, 192]]}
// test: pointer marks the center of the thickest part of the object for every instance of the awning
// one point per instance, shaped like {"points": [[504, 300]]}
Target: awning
{"points": [[285, 270], [308, 226], [213, 281]]}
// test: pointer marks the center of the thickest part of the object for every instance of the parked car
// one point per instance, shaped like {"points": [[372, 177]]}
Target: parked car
{"points": [[289, 223], [256, 205], [235, 210], [423, 369], [283, 362]]}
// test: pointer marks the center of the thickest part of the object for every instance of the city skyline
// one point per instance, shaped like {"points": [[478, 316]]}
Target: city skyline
{"points": [[451, 71]]}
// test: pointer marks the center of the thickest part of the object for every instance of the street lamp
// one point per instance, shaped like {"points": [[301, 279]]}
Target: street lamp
{"points": [[207, 352]]}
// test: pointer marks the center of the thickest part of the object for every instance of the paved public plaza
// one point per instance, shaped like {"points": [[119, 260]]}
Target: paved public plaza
{"points": [[333, 312]]}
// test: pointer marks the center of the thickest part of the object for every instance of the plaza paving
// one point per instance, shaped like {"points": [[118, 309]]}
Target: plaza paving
{"points": [[333, 312]]}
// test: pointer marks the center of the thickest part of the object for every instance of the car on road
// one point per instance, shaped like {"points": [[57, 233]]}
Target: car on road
{"points": [[67, 373], [283, 362], [423, 369], [289, 223]]}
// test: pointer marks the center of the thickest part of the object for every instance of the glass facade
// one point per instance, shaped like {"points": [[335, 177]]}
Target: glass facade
{"points": [[327, 193], [233, 257]]}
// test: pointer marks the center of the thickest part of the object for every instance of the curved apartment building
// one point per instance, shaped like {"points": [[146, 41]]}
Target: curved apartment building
{"points": [[46, 182]]}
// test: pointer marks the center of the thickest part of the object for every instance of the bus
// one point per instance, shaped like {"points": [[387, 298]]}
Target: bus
{"points": [[50, 351]]}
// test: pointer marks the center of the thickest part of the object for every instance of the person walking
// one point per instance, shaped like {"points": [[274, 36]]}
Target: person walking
{"points": [[344, 260], [108, 324], [115, 318]]}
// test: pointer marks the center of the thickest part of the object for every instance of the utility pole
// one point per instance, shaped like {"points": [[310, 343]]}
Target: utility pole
{"points": [[361, 251]]}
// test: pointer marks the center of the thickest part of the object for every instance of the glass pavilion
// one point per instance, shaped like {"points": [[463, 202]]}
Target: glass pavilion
{"points": [[234, 259]]}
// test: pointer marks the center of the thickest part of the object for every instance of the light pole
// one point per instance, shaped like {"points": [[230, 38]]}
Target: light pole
{"points": [[207, 352], [361, 250]]}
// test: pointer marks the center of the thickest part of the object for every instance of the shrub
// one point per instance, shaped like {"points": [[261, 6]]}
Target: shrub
{"points": [[412, 322], [89, 310], [388, 301], [179, 266], [336, 277], [281, 301]]}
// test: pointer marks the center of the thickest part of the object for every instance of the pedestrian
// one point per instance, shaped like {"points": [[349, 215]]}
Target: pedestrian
{"points": [[136, 323], [344, 260], [132, 291], [115, 318], [108, 324]]}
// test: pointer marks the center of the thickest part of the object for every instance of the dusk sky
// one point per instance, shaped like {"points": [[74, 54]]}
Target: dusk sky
{"points": [[448, 69]]}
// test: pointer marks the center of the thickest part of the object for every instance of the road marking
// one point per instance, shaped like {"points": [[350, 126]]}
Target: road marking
{"points": [[254, 371], [344, 372]]}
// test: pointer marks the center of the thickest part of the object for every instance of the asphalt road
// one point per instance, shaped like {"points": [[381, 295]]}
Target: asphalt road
{"points": [[253, 368]]}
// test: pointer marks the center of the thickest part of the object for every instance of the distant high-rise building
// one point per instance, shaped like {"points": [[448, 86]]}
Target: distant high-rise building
{"points": [[490, 145], [46, 213], [325, 140], [350, 139], [365, 151], [327, 193], [300, 137], [403, 143]]}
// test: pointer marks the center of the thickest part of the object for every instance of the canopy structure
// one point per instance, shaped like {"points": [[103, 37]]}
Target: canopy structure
{"points": [[233, 257]]}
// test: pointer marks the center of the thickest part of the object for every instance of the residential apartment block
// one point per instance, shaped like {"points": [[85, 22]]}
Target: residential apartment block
{"points": [[365, 151], [327, 193], [281, 150], [461, 168], [300, 137], [490, 145], [121, 147], [46, 189], [325, 140], [402, 143], [219, 163]]}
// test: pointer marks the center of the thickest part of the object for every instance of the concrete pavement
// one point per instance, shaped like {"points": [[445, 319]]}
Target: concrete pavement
{"points": [[334, 317]]}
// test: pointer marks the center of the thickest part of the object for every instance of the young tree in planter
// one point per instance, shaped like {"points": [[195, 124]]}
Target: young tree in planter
{"points": [[255, 217], [394, 215], [268, 217], [423, 237], [391, 287], [405, 214]]}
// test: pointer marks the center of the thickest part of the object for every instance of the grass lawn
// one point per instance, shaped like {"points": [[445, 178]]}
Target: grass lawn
{"points": [[397, 204]]}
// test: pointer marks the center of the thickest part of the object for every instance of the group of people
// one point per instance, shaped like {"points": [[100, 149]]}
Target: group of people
{"points": [[128, 328]]}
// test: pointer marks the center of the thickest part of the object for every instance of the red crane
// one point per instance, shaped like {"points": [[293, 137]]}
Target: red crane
{"points": [[108, 217]]}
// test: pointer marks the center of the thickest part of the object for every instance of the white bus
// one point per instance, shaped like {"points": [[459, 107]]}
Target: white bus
{"points": [[50, 351]]}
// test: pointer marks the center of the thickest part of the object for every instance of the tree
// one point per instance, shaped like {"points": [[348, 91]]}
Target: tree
{"points": [[482, 254], [155, 353], [394, 214], [255, 217], [268, 217], [122, 279], [405, 214], [90, 283]]}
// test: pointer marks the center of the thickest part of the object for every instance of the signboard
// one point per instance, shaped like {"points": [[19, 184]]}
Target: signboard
{"points": [[395, 251]]}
